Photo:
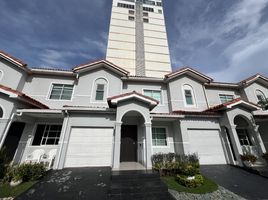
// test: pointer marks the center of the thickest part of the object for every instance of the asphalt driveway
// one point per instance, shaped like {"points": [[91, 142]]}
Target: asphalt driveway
{"points": [[77, 183], [239, 181]]}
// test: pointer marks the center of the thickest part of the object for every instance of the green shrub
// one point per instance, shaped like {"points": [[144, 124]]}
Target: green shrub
{"points": [[196, 182], [265, 156], [4, 162], [248, 157], [27, 172], [171, 164]]}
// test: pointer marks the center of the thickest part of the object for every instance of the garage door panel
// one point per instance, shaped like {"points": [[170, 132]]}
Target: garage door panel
{"points": [[208, 145], [89, 147]]}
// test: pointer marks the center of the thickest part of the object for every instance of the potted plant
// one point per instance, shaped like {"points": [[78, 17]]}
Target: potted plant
{"points": [[248, 159]]}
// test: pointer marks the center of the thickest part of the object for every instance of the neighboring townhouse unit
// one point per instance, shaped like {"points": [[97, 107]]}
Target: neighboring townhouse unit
{"points": [[97, 114]]}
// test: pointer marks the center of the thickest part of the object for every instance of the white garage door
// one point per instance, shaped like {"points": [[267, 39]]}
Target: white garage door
{"points": [[89, 147], [208, 145]]}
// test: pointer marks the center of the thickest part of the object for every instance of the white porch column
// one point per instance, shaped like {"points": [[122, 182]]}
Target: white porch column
{"points": [[258, 139], [236, 143], [117, 145], [148, 137]]}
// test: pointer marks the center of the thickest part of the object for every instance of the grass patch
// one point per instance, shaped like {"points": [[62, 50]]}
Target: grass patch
{"points": [[208, 186], [7, 191]]}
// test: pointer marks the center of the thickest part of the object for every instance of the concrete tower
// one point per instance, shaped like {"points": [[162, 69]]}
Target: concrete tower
{"points": [[137, 38]]}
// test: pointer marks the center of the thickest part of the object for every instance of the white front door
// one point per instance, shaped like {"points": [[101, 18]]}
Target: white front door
{"points": [[90, 147], [208, 145]]}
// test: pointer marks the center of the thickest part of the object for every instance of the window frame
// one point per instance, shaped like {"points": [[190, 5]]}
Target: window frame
{"points": [[1, 75], [188, 87], [221, 94], [167, 137], [3, 110], [261, 92], [247, 134], [131, 18], [93, 91], [44, 145], [59, 83], [161, 103]]}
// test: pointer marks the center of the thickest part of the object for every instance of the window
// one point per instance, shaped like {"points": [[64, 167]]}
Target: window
{"points": [[160, 11], [145, 14], [100, 92], [225, 98], [46, 134], [243, 136], [1, 74], [131, 12], [148, 9], [123, 5], [145, 20], [149, 2], [155, 94], [131, 18], [159, 136], [260, 95], [61, 92], [100, 89], [1, 113], [188, 95], [158, 3]]}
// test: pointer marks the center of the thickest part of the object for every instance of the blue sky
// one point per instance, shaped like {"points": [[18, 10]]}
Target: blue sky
{"points": [[227, 40]]}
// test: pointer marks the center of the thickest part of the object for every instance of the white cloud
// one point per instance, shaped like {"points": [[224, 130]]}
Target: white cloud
{"points": [[237, 42]]}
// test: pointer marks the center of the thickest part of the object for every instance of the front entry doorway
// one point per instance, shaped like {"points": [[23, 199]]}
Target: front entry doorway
{"points": [[12, 140], [128, 152]]}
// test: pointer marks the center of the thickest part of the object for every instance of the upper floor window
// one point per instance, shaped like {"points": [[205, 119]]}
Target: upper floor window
{"points": [[260, 95], [1, 74], [225, 98], [155, 94], [145, 20], [159, 136], [188, 95], [131, 12], [61, 92], [149, 2], [47, 134], [100, 89], [148, 9], [1, 112], [123, 5]]}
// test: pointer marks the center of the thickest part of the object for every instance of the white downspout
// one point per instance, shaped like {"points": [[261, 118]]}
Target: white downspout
{"points": [[7, 128], [63, 137]]}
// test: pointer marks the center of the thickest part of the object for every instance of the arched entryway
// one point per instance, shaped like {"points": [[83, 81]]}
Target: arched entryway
{"points": [[243, 131], [132, 147]]}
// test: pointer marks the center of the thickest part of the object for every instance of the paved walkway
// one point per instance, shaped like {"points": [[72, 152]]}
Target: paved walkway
{"points": [[79, 183], [238, 181]]}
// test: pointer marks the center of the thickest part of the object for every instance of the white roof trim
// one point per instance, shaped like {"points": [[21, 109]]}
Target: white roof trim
{"points": [[243, 102], [116, 100], [10, 94], [12, 60]]}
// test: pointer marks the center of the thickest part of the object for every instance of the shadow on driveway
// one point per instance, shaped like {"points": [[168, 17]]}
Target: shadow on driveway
{"points": [[243, 183], [76, 183]]}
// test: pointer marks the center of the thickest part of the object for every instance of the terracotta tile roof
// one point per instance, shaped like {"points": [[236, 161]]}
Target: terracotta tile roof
{"points": [[184, 69], [225, 105], [252, 78], [184, 112], [130, 93], [9, 57], [25, 97], [83, 66], [51, 69]]}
